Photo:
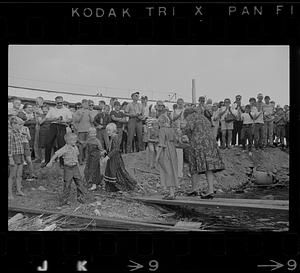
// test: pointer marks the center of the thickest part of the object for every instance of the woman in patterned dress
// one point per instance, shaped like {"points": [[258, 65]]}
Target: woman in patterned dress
{"points": [[203, 153], [116, 177]]}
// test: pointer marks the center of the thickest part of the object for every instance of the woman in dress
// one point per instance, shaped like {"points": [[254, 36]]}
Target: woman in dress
{"points": [[116, 177], [203, 153], [167, 156]]}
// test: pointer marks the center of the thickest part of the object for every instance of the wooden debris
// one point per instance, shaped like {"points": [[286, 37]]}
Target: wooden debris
{"points": [[188, 225], [49, 228], [219, 202], [15, 218]]}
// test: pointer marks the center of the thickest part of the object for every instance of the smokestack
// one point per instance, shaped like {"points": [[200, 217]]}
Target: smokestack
{"points": [[193, 91]]}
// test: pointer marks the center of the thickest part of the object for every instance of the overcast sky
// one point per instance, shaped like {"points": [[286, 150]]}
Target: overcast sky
{"points": [[156, 71]]}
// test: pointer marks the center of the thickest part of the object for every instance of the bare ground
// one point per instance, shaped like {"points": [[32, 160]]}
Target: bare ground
{"points": [[233, 182]]}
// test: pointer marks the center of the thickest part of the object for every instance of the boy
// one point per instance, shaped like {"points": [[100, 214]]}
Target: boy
{"points": [[15, 156], [247, 128], [70, 153], [153, 139], [26, 137]]}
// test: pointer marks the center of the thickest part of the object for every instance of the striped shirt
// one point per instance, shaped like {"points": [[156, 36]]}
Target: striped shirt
{"points": [[69, 154]]}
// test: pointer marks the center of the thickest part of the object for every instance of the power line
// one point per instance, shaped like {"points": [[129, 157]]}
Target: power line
{"points": [[73, 93], [89, 85]]}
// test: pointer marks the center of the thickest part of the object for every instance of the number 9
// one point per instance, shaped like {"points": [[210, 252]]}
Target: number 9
{"points": [[153, 265], [292, 264]]}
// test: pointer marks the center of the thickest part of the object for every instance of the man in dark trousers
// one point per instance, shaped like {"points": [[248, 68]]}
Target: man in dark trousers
{"points": [[238, 123], [135, 111], [60, 117]]}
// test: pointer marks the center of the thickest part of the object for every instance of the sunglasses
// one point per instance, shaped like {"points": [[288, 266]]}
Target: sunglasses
{"points": [[59, 103], [91, 104]]}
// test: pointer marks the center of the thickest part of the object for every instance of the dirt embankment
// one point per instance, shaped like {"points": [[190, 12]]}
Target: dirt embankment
{"points": [[238, 169]]}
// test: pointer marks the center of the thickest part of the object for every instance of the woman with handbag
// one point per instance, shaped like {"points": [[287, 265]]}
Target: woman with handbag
{"points": [[227, 116]]}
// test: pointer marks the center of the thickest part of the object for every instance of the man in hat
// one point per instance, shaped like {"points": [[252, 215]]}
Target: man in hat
{"points": [[135, 111], [238, 123]]}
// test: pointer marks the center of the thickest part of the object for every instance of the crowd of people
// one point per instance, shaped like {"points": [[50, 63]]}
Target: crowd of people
{"points": [[97, 135]]}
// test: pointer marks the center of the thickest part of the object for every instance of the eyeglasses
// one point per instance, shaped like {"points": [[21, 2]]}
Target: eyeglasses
{"points": [[59, 102], [91, 105]]}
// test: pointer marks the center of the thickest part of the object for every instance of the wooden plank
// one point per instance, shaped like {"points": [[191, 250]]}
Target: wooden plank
{"points": [[240, 201], [106, 221], [212, 203]]}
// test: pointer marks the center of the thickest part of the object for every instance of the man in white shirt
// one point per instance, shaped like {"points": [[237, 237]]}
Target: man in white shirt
{"points": [[60, 117], [135, 111]]}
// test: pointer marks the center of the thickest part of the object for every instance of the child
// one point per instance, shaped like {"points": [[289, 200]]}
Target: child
{"points": [[116, 177], [152, 139], [70, 153], [247, 128], [94, 152], [25, 142], [280, 122], [16, 156], [167, 156]]}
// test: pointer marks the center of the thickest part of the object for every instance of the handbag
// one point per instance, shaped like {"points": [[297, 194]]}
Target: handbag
{"points": [[230, 117], [207, 114]]}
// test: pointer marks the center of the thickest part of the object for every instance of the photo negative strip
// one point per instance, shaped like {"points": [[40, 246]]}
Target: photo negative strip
{"points": [[151, 136]]}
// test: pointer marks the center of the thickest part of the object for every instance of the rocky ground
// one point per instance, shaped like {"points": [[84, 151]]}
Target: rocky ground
{"points": [[233, 182]]}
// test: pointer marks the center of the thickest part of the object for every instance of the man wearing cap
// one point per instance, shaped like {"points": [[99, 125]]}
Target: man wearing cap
{"points": [[269, 113], [238, 123], [135, 111]]}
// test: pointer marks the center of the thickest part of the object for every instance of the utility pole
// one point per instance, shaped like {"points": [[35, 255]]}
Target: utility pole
{"points": [[193, 91]]}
